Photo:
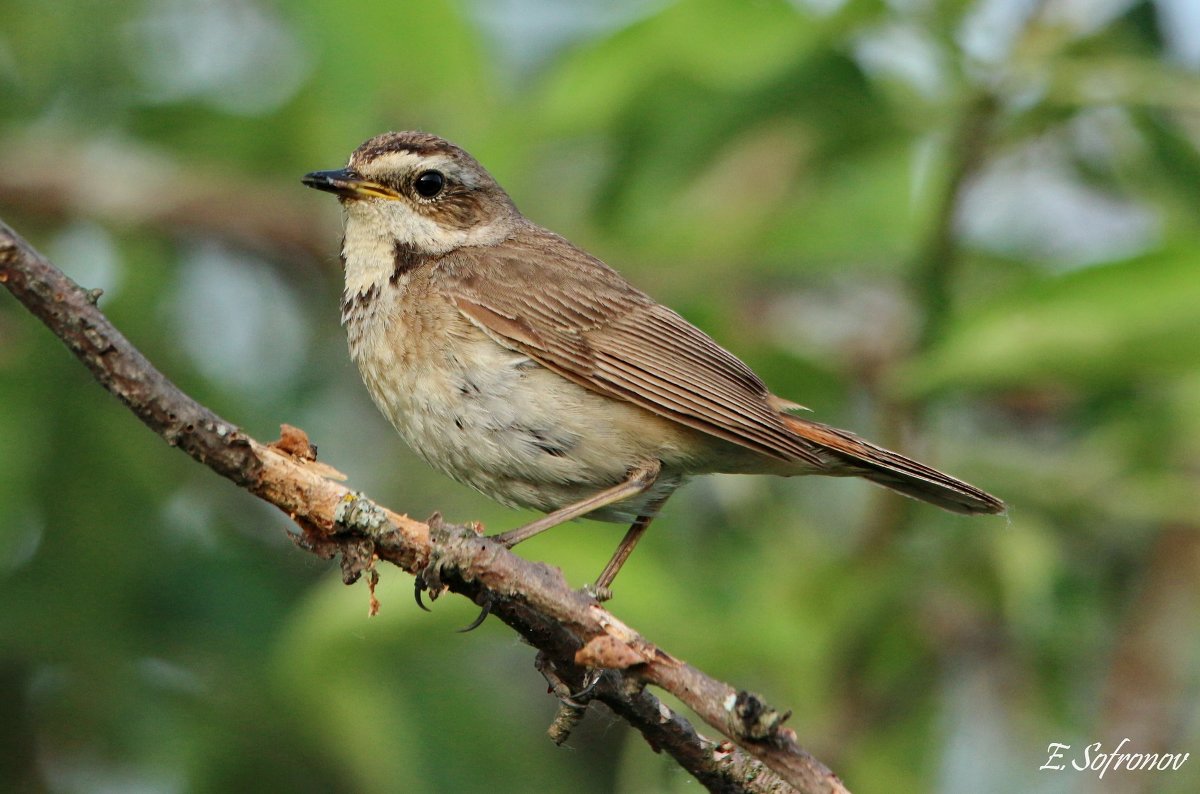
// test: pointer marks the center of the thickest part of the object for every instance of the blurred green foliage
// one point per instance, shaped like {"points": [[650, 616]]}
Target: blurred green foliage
{"points": [[790, 176]]}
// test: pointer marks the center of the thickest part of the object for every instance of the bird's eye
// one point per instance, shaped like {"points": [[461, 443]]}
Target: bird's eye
{"points": [[429, 183]]}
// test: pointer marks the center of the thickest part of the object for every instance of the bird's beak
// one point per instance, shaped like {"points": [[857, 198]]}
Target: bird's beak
{"points": [[346, 185]]}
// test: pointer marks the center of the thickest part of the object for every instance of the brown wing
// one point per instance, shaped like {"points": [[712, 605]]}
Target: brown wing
{"points": [[573, 314]]}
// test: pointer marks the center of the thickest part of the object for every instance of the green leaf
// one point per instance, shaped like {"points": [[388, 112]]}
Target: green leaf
{"points": [[720, 44], [1103, 325]]}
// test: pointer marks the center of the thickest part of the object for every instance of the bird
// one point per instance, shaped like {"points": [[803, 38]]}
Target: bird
{"points": [[526, 368]]}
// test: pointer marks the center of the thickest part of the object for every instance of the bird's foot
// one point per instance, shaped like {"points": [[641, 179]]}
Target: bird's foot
{"points": [[561, 689], [430, 579], [601, 593]]}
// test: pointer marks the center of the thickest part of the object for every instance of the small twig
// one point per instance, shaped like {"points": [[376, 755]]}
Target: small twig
{"points": [[73, 178], [937, 259], [532, 598]]}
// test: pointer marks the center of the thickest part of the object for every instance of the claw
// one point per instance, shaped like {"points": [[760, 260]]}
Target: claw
{"points": [[420, 585], [561, 690], [477, 622], [431, 579], [590, 679]]}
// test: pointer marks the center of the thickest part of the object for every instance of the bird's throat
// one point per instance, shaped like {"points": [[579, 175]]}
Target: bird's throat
{"points": [[367, 257]]}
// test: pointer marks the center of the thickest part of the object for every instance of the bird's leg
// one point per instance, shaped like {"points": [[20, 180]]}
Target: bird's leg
{"points": [[601, 588], [639, 479]]}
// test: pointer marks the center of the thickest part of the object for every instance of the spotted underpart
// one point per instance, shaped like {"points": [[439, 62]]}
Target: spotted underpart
{"points": [[548, 441], [359, 303]]}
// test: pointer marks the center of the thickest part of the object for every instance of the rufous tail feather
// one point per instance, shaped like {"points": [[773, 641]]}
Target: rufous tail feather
{"points": [[893, 470]]}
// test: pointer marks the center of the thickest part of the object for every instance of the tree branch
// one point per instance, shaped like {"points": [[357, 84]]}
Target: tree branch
{"points": [[577, 638], [937, 261]]}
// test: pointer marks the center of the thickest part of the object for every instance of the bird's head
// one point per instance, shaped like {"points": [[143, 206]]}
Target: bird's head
{"points": [[422, 191]]}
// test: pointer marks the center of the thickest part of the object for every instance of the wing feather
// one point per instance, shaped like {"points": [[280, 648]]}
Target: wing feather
{"points": [[576, 316]]}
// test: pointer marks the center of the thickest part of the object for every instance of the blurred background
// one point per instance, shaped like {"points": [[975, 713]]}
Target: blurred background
{"points": [[964, 228]]}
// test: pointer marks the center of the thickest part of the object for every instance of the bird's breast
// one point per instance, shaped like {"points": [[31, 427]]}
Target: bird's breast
{"points": [[491, 417]]}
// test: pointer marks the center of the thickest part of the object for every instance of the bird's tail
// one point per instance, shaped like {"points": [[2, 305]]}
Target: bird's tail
{"points": [[893, 470]]}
